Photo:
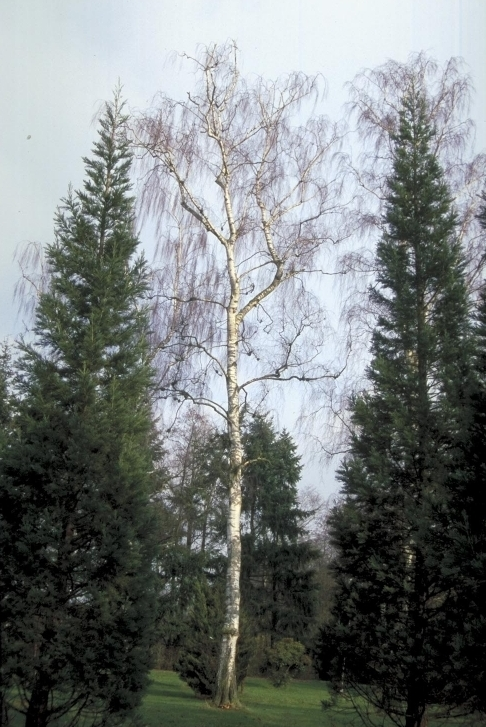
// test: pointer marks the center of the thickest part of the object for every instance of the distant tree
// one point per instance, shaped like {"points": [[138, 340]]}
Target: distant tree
{"points": [[324, 647], [196, 487], [395, 583], [279, 590], [79, 537], [191, 506], [278, 580], [245, 202]]}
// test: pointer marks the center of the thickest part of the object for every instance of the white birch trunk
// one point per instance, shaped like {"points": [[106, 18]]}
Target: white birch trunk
{"points": [[275, 199], [226, 687]]}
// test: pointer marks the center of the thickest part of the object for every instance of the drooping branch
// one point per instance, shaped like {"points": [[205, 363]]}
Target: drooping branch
{"points": [[268, 192], [246, 204]]}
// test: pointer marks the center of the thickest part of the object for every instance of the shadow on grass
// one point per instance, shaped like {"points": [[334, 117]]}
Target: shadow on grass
{"points": [[171, 703], [159, 690]]}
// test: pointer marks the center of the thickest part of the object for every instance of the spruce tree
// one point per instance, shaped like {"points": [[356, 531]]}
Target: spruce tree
{"points": [[76, 475], [278, 583], [279, 591], [395, 574], [7, 576], [468, 540]]}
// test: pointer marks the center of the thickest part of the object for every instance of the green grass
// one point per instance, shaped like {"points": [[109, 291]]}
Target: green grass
{"points": [[170, 703]]}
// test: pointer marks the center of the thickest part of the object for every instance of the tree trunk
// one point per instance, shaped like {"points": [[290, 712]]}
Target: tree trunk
{"points": [[38, 709], [415, 712], [416, 697], [226, 688]]}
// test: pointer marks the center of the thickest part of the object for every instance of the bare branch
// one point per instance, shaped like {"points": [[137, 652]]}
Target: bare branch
{"points": [[246, 204]]}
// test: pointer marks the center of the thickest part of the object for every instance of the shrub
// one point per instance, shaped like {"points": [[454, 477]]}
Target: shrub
{"points": [[285, 660], [197, 664], [198, 660]]}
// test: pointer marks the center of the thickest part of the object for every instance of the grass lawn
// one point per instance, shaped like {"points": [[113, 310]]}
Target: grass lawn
{"points": [[170, 703]]}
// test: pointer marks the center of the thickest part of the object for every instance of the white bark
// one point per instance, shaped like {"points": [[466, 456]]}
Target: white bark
{"points": [[255, 208], [226, 688]]}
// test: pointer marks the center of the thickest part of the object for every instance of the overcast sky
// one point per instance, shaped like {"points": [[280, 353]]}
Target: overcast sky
{"points": [[59, 59]]}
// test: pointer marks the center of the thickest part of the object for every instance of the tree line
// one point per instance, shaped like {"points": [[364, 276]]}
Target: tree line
{"points": [[111, 542]]}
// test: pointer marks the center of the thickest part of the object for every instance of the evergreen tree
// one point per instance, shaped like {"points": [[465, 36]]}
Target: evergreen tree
{"points": [[7, 648], [202, 623], [198, 660], [192, 510], [395, 575], [279, 589], [469, 538], [76, 480], [278, 578]]}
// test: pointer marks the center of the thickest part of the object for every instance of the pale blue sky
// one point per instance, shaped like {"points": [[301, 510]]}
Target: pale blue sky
{"points": [[59, 59]]}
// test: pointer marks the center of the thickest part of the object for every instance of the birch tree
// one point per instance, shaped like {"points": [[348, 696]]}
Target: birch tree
{"points": [[244, 184]]}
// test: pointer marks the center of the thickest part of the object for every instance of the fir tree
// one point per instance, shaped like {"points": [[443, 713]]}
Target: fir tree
{"points": [[395, 574], [7, 575], [279, 588], [278, 578], [76, 475], [468, 540], [198, 659]]}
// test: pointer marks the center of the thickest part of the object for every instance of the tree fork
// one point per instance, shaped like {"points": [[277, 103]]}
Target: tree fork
{"points": [[273, 215]]}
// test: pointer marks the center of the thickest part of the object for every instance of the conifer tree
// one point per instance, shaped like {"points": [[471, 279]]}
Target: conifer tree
{"points": [[278, 579], [6, 574], [395, 578], [76, 474], [468, 540], [279, 589]]}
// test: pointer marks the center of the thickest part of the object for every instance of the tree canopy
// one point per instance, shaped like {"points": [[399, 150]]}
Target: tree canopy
{"points": [[76, 469], [111, 543], [395, 583]]}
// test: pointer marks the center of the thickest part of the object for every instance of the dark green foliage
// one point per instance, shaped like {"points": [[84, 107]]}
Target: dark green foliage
{"points": [[80, 534], [469, 539], [284, 661], [395, 573], [326, 653], [197, 664], [278, 581], [191, 505], [278, 576], [272, 473], [7, 576], [181, 573]]}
